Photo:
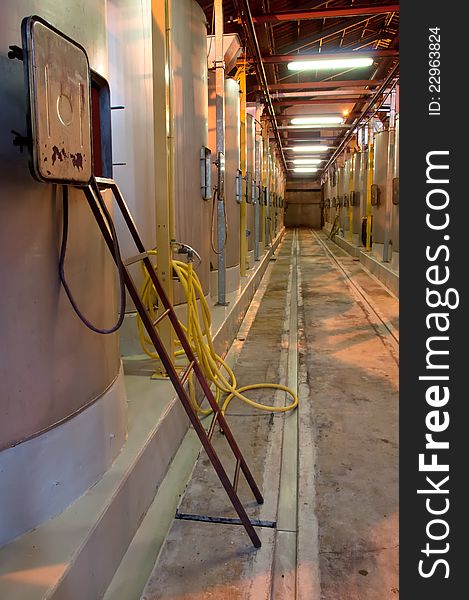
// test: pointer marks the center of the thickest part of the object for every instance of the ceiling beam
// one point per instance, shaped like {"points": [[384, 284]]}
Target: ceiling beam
{"points": [[249, 28], [324, 33], [286, 58], [324, 13], [310, 101], [324, 85]]}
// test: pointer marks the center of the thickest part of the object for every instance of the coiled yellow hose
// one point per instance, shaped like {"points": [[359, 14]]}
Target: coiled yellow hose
{"points": [[200, 338]]}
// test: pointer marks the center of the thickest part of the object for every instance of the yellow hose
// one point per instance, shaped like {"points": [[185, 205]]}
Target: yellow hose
{"points": [[200, 338]]}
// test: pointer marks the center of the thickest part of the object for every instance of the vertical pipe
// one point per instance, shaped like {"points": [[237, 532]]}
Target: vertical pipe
{"points": [[389, 178], [220, 141], [265, 158], [350, 194], [163, 134], [369, 183], [257, 177], [243, 242]]}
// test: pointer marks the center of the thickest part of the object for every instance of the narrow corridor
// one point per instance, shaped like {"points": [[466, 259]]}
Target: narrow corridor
{"points": [[328, 471]]}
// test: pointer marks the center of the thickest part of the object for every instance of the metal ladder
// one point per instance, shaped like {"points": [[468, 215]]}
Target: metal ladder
{"points": [[96, 203]]}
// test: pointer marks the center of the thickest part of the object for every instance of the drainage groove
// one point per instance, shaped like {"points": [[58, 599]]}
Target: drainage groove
{"points": [[223, 520]]}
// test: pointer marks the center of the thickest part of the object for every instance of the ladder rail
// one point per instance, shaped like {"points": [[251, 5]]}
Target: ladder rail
{"points": [[96, 204], [183, 339]]}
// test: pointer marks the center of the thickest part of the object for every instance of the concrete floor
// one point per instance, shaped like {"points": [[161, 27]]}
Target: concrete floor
{"points": [[328, 471]]}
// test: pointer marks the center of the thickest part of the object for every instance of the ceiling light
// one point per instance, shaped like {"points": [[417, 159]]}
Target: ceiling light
{"points": [[331, 63], [305, 169], [307, 161], [310, 148], [319, 120]]}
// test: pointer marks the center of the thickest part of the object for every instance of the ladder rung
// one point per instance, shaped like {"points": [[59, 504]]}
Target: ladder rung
{"points": [[134, 259], [187, 372], [236, 474], [161, 317], [212, 425]]}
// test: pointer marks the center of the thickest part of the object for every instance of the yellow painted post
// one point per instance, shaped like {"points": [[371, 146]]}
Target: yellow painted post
{"points": [[164, 143], [369, 183], [243, 242], [351, 190]]}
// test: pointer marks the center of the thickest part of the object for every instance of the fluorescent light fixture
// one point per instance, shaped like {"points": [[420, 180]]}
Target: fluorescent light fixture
{"points": [[307, 161], [319, 120], [305, 169], [310, 148], [331, 63]]}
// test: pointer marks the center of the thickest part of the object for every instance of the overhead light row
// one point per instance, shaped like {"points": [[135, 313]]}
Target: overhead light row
{"points": [[306, 161], [318, 120], [310, 148], [305, 169], [330, 64]]}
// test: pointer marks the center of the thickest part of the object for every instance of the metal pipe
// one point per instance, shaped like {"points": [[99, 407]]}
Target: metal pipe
{"points": [[248, 26], [243, 243], [164, 141], [369, 183], [220, 144], [368, 108], [324, 13], [389, 178], [351, 191], [265, 156], [257, 175]]}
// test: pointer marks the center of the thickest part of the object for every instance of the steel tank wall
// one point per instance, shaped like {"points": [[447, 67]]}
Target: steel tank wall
{"points": [[395, 207], [250, 168], [131, 82], [327, 201], [47, 344], [380, 171], [334, 195], [232, 154], [358, 191], [55, 374], [190, 104], [342, 190], [346, 194], [363, 190]]}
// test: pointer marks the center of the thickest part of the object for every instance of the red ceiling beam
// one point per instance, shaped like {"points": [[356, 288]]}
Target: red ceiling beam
{"points": [[336, 100], [324, 85], [285, 58], [324, 13]]}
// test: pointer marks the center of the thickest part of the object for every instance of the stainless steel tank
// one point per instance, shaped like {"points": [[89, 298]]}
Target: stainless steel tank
{"points": [[62, 396], [52, 366], [190, 103], [346, 196], [333, 174], [360, 184], [327, 201], [250, 170], [395, 207], [232, 150], [342, 191], [380, 172], [358, 193]]}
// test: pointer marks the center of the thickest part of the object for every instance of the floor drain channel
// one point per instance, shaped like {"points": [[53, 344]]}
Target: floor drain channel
{"points": [[223, 520]]}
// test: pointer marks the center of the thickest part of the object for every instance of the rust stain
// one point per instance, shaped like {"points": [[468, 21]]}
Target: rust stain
{"points": [[77, 160], [58, 154]]}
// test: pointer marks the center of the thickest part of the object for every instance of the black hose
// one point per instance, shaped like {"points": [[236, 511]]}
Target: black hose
{"points": [[212, 219], [120, 267]]}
